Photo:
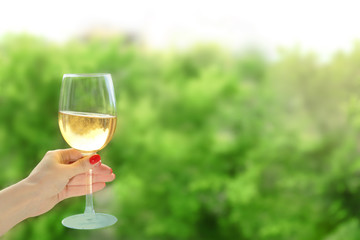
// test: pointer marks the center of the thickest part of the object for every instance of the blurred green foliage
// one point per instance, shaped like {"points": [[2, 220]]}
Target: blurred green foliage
{"points": [[210, 144]]}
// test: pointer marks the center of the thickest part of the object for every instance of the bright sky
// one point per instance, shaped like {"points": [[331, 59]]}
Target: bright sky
{"points": [[323, 26]]}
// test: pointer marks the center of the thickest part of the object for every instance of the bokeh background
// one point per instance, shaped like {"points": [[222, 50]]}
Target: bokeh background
{"points": [[237, 120]]}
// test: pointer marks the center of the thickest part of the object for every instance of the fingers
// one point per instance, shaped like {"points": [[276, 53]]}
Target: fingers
{"points": [[83, 179], [82, 165], [101, 173], [102, 169], [74, 191], [68, 155]]}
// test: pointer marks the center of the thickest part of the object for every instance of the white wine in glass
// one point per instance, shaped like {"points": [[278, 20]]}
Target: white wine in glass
{"points": [[86, 131], [87, 121]]}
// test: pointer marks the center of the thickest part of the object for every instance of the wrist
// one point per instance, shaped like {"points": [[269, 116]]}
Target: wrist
{"points": [[28, 198], [16, 204], [33, 197]]}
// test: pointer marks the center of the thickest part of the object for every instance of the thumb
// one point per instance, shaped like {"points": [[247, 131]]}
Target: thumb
{"points": [[83, 164]]}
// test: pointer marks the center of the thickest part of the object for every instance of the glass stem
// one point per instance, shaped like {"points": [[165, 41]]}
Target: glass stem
{"points": [[89, 207]]}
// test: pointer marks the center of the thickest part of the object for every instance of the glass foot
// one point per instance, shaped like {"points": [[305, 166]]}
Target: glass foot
{"points": [[89, 221]]}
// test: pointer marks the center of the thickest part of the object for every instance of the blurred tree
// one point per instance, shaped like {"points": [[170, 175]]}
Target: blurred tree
{"points": [[210, 145]]}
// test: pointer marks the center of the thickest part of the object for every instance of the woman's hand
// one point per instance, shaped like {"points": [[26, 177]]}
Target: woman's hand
{"points": [[60, 174]]}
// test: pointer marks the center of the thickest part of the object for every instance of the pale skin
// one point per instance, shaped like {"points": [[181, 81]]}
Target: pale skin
{"points": [[59, 175]]}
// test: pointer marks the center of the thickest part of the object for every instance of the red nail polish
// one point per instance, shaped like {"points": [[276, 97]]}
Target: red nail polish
{"points": [[94, 159]]}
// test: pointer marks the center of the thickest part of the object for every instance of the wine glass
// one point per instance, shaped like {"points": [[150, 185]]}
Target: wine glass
{"points": [[87, 120]]}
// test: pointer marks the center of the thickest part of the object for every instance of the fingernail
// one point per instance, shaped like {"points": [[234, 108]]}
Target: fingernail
{"points": [[94, 159], [111, 170]]}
